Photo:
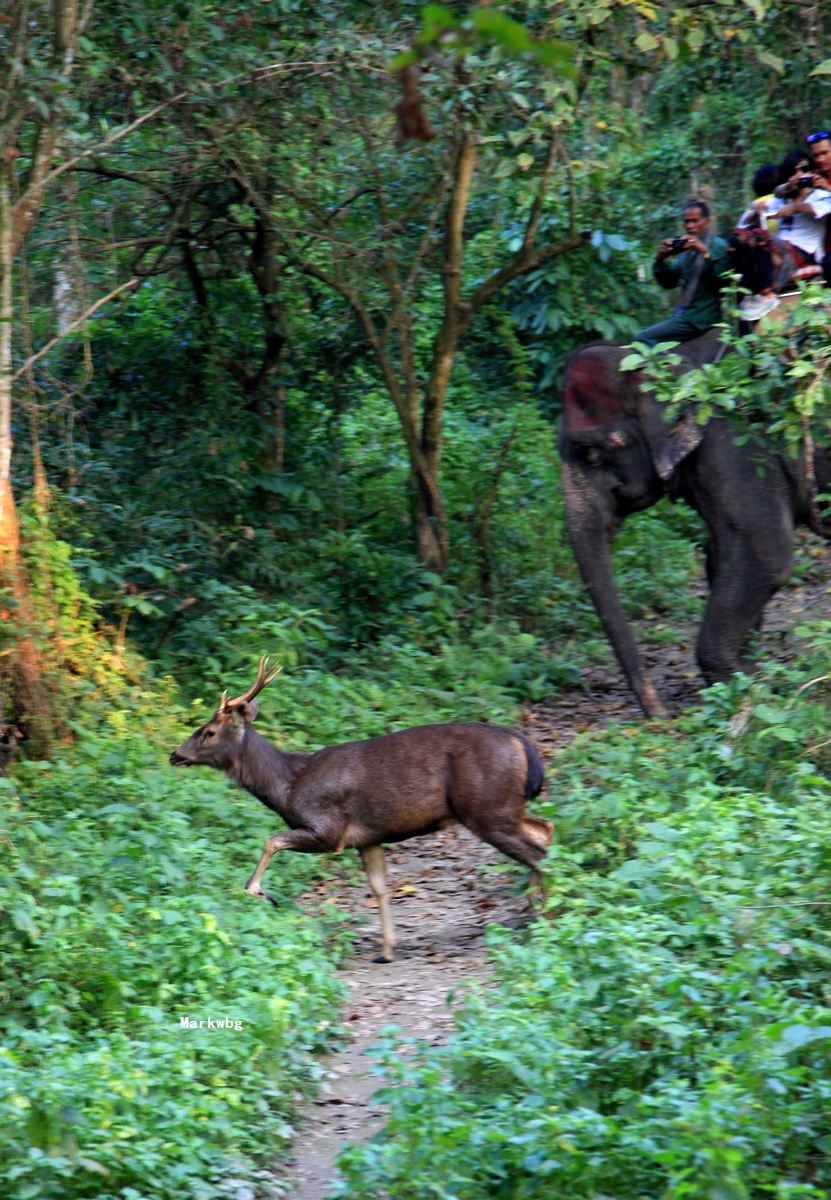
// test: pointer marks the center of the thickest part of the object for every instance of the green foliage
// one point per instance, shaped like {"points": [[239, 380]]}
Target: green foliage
{"points": [[205, 559], [482, 27], [123, 912], [771, 384], [666, 1030], [656, 560], [80, 658]]}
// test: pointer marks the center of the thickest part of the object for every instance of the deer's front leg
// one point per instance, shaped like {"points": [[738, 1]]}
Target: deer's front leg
{"points": [[311, 841], [269, 850], [375, 863]]}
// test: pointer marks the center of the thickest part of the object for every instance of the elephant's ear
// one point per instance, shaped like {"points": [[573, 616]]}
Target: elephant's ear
{"points": [[670, 444]]}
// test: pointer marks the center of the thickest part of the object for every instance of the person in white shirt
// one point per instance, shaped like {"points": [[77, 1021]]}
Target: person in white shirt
{"points": [[801, 210], [820, 144]]}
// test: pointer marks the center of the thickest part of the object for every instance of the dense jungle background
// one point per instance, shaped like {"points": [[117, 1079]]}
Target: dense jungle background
{"points": [[316, 419]]}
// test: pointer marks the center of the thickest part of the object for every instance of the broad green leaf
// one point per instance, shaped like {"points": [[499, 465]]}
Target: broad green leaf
{"points": [[646, 42], [23, 920], [92, 1164], [635, 869], [782, 733], [437, 18], [505, 168], [771, 60], [769, 714], [796, 1036], [664, 833], [509, 33], [407, 59]]}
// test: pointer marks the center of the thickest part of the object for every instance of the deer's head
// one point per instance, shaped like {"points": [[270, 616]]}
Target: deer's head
{"points": [[216, 743]]}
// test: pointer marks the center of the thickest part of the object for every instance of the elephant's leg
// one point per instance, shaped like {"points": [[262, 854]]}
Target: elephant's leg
{"points": [[741, 585]]}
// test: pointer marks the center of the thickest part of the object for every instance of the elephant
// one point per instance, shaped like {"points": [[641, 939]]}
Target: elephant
{"points": [[620, 456]]}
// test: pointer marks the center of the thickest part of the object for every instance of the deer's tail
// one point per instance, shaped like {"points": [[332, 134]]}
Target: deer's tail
{"points": [[536, 771]]}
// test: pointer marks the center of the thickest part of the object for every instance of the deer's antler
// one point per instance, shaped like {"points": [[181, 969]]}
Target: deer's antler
{"points": [[264, 678]]}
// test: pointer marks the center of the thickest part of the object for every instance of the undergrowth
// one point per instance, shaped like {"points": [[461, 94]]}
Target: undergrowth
{"points": [[123, 912], [665, 1029]]}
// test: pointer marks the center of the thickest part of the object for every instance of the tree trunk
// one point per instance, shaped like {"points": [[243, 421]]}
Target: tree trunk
{"points": [[31, 703], [432, 543]]}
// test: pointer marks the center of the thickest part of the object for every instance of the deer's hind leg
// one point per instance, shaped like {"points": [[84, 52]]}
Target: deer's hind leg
{"points": [[517, 844], [541, 831], [523, 838], [375, 863]]}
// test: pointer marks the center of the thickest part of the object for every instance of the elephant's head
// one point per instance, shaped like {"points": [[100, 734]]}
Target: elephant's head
{"points": [[618, 454]]}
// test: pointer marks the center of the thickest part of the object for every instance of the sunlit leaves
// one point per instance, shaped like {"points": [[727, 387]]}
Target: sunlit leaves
{"points": [[771, 60], [482, 26], [646, 41]]}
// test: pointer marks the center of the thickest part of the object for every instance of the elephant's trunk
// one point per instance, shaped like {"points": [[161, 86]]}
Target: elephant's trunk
{"points": [[589, 525]]}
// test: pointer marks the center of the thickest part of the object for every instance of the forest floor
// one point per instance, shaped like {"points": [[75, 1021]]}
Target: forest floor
{"points": [[448, 887]]}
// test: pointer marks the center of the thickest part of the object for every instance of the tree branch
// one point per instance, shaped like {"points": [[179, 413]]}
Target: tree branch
{"points": [[131, 283], [521, 265], [542, 188], [384, 361], [27, 206], [105, 172], [454, 229], [16, 60]]}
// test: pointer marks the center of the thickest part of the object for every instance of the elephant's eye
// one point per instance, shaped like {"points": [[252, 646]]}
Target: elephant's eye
{"points": [[592, 456]]}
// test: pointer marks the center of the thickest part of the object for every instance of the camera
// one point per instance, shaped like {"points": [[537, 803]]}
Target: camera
{"points": [[678, 245], [805, 181]]}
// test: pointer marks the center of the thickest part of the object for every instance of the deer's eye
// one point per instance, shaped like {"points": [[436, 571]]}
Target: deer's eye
{"points": [[210, 733]]}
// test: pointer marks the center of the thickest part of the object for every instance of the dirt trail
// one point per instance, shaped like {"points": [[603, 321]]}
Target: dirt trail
{"points": [[605, 695], [449, 886]]}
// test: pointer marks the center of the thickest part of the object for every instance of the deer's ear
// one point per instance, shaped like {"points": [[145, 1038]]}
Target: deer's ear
{"points": [[243, 714]]}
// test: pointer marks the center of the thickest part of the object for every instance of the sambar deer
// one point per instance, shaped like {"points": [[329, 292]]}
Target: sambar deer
{"points": [[383, 789]]}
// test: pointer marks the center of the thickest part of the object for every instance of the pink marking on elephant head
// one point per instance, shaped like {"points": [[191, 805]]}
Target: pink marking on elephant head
{"points": [[595, 392]]}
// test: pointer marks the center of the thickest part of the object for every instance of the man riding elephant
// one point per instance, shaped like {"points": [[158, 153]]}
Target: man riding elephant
{"points": [[700, 260]]}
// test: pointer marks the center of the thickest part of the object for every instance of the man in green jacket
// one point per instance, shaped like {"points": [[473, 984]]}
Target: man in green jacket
{"points": [[701, 259]]}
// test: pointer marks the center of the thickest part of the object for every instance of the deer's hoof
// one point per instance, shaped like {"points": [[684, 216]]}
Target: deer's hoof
{"points": [[263, 895], [382, 958]]}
